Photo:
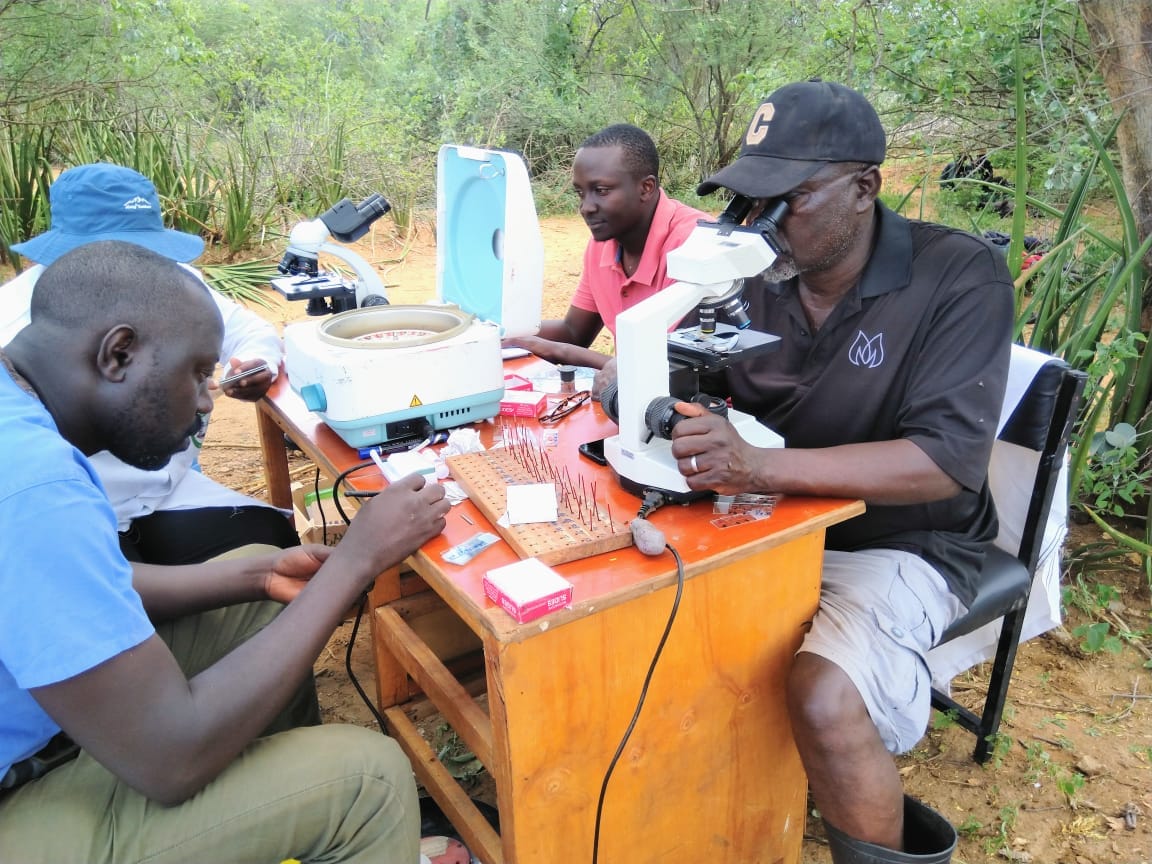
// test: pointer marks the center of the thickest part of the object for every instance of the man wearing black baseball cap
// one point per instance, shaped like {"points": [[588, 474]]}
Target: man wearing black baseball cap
{"points": [[887, 387]]}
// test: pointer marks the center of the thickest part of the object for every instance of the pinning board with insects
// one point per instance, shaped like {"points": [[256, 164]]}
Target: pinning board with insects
{"points": [[584, 525]]}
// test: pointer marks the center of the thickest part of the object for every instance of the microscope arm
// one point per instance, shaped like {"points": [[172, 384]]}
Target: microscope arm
{"points": [[642, 352], [710, 262], [368, 282]]}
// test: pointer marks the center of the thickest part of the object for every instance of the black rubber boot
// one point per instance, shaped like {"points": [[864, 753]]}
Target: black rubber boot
{"points": [[929, 838]]}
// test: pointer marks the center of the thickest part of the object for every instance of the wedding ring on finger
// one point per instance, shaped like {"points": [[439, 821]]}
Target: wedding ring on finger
{"points": [[695, 467]]}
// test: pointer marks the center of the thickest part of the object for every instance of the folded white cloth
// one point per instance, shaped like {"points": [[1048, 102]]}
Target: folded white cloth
{"points": [[1011, 473]]}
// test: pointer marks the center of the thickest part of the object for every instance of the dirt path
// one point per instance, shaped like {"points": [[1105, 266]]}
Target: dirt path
{"points": [[1078, 748]]}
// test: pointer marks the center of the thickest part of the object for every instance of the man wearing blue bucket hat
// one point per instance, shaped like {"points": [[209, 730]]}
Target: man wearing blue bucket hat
{"points": [[175, 515]]}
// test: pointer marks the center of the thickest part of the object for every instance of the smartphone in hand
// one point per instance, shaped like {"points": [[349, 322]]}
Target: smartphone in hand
{"points": [[236, 376]]}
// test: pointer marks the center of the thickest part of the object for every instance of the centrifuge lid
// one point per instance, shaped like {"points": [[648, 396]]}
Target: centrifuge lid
{"points": [[489, 250]]}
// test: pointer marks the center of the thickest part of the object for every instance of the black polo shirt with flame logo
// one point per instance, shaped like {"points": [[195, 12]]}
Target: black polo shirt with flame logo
{"points": [[918, 350]]}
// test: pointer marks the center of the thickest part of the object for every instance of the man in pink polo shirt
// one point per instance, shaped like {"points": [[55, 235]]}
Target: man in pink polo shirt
{"points": [[634, 224]]}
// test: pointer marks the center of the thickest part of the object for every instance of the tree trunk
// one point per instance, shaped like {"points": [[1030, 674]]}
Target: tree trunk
{"points": [[1121, 30]]}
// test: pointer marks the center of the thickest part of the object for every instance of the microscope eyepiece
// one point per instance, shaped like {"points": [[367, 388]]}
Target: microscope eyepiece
{"points": [[768, 222], [349, 222], [736, 211]]}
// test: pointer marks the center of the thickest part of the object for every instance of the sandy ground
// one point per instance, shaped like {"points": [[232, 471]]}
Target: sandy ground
{"points": [[1070, 715]]}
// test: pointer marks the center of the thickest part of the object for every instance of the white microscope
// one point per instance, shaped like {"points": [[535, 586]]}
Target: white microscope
{"points": [[326, 291], [709, 269]]}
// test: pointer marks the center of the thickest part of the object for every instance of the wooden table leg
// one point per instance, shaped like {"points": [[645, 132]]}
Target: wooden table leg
{"points": [[710, 772], [275, 455], [391, 679]]}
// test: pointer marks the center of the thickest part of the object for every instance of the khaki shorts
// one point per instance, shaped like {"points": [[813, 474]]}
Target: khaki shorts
{"points": [[881, 610]]}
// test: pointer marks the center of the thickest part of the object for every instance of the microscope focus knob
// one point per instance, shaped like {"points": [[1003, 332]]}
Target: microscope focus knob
{"points": [[610, 401], [661, 417]]}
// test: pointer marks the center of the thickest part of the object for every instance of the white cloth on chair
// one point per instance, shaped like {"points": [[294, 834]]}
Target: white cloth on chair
{"points": [[1011, 473]]}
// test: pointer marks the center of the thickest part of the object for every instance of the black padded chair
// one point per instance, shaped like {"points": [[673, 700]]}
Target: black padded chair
{"points": [[1041, 422]]}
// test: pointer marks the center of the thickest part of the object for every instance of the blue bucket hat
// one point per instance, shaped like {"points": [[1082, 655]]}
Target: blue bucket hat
{"points": [[106, 202]]}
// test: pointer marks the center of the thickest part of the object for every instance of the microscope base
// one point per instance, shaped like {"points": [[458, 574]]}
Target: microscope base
{"points": [[654, 468], [668, 495]]}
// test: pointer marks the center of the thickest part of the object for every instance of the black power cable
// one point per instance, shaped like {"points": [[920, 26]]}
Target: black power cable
{"points": [[349, 493], [363, 604], [348, 664], [640, 702]]}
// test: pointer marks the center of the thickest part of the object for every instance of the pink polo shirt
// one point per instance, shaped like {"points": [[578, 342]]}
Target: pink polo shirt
{"points": [[605, 289]]}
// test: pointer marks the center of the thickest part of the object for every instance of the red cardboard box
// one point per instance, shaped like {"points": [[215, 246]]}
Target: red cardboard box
{"points": [[522, 403], [527, 589]]}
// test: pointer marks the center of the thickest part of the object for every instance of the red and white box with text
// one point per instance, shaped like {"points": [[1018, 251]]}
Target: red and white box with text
{"points": [[527, 589], [522, 403]]}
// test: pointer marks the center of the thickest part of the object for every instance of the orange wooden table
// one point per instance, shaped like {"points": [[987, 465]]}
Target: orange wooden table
{"points": [[710, 773]]}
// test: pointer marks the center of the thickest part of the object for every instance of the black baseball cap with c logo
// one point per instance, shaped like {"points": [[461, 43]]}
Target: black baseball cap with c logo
{"points": [[795, 132]]}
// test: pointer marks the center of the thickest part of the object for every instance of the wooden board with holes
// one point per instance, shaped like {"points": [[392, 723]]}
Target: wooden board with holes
{"points": [[582, 527]]}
